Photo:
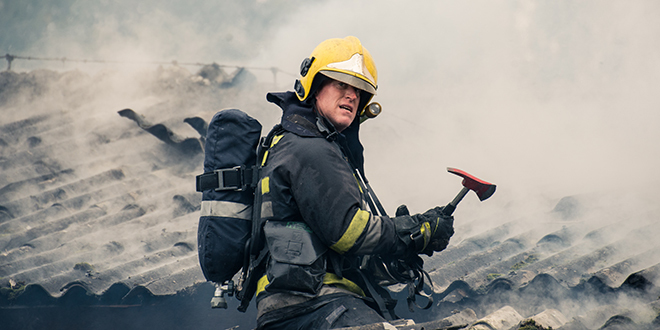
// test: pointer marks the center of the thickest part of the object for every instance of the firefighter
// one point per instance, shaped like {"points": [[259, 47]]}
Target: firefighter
{"points": [[316, 225]]}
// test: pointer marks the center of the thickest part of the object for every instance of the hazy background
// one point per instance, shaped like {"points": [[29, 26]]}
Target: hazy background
{"points": [[544, 98]]}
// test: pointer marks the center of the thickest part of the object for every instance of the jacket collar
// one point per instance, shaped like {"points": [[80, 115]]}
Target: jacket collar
{"points": [[299, 118]]}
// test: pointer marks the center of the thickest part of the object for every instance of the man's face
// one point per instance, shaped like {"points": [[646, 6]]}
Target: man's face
{"points": [[338, 102]]}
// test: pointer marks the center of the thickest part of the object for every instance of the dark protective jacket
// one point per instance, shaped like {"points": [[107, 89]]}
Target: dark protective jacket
{"points": [[311, 181], [313, 213]]}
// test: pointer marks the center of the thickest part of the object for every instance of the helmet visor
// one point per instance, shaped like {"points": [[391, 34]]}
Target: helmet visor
{"points": [[352, 80]]}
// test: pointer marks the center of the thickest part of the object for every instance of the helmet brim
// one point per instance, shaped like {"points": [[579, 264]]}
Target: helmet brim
{"points": [[352, 80]]}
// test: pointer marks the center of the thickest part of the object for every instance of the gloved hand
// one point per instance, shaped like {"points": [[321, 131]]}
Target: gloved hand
{"points": [[435, 228], [442, 228]]}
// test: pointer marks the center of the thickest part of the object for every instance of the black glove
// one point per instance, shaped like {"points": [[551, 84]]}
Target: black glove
{"points": [[442, 228], [424, 233]]}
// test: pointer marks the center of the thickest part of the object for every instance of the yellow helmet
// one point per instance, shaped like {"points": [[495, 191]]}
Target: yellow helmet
{"points": [[344, 60]]}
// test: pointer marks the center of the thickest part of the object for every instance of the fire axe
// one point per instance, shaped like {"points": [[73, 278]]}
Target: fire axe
{"points": [[482, 188]]}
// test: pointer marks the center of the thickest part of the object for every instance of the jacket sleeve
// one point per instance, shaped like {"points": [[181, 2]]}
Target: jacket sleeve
{"points": [[329, 199]]}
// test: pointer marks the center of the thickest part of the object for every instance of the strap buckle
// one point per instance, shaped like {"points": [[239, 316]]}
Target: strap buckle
{"points": [[237, 178], [418, 240], [229, 179]]}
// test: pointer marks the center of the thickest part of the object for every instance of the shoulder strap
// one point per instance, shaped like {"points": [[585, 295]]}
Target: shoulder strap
{"points": [[374, 203], [256, 253], [264, 144]]}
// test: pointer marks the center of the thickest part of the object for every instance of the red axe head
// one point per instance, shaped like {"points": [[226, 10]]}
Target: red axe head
{"points": [[482, 188]]}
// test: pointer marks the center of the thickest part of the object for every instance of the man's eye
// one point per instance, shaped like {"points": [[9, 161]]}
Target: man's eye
{"points": [[341, 84]]}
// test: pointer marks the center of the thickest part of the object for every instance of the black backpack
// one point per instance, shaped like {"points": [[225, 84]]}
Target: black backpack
{"points": [[225, 222], [231, 172]]}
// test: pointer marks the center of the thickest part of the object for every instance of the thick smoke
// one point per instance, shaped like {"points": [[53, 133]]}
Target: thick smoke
{"points": [[118, 54], [544, 98], [226, 32]]}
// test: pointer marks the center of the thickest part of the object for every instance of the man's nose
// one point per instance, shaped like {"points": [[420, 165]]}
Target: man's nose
{"points": [[351, 92]]}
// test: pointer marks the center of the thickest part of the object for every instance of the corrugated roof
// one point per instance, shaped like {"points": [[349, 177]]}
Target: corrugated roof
{"points": [[590, 266], [91, 201], [94, 199]]}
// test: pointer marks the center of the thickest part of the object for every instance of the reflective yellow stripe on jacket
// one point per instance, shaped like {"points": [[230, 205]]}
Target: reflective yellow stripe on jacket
{"points": [[329, 279], [354, 230], [276, 139]]}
